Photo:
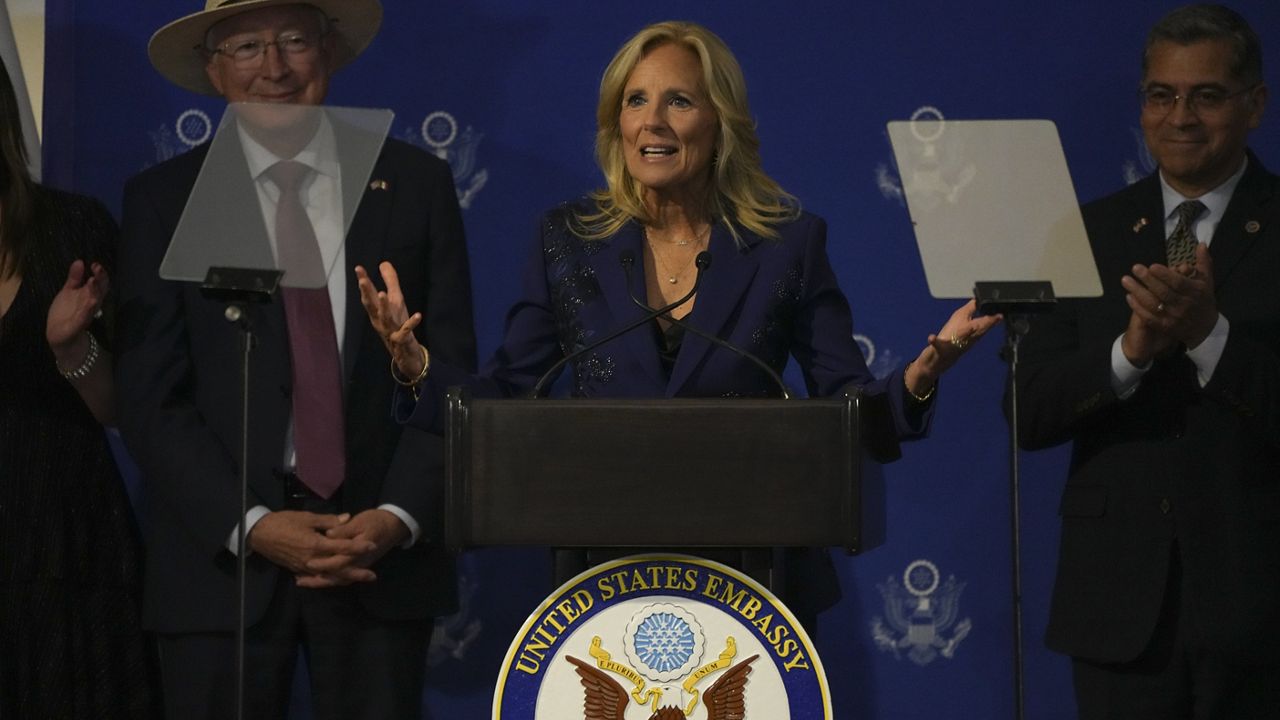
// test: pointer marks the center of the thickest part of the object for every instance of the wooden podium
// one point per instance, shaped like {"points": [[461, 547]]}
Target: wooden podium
{"points": [[750, 473]]}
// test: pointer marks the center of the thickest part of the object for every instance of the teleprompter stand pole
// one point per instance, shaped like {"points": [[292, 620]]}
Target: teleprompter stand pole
{"points": [[241, 289], [1015, 300]]}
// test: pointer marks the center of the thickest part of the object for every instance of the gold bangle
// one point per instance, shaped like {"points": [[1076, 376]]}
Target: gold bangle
{"points": [[918, 398], [426, 365]]}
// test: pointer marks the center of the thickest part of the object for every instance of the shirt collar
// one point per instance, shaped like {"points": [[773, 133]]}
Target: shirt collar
{"points": [[320, 154], [1215, 200]]}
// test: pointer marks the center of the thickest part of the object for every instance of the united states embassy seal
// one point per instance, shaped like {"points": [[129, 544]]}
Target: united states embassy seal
{"points": [[662, 637]]}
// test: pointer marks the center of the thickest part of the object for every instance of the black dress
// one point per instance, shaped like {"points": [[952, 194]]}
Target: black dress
{"points": [[71, 643]]}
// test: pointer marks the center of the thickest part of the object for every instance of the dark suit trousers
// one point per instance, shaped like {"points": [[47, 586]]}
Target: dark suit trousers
{"points": [[1178, 676], [359, 666]]}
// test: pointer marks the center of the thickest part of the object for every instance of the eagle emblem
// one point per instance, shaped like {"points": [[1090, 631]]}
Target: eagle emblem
{"points": [[440, 135], [939, 174], [606, 698], [918, 613]]}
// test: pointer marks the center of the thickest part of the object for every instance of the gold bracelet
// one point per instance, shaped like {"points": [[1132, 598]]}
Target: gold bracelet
{"points": [[426, 365], [918, 398]]}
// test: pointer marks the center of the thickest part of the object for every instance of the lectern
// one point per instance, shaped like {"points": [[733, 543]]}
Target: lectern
{"points": [[687, 473]]}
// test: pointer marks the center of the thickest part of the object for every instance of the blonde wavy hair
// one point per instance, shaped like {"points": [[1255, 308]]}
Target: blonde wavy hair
{"points": [[740, 194]]}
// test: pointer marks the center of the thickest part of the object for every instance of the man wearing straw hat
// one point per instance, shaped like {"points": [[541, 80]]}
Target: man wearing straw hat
{"points": [[343, 556]]}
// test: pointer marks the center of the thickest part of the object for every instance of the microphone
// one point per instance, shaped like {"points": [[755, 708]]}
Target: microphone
{"points": [[703, 261], [628, 258]]}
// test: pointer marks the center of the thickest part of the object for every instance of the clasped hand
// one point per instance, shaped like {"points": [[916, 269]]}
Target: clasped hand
{"points": [[1169, 306], [327, 550]]}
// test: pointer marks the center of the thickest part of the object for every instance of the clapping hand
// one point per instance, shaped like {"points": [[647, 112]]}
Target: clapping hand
{"points": [[1169, 305]]}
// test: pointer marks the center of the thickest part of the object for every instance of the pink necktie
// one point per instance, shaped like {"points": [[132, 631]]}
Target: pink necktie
{"points": [[318, 428]]}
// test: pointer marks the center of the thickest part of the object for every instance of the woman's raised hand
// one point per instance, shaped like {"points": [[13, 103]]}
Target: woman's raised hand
{"points": [[73, 309], [392, 321], [947, 346]]}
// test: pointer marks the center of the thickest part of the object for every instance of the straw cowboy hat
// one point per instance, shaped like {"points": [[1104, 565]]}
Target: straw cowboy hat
{"points": [[175, 48]]}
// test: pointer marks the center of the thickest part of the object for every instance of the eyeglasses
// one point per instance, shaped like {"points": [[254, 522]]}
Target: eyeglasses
{"points": [[1161, 99], [247, 53]]}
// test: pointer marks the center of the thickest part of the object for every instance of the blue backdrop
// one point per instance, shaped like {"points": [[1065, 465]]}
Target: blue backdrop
{"points": [[506, 90]]}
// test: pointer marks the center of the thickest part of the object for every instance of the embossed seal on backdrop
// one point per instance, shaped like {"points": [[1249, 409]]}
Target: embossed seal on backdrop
{"points": [[880, 363], [941, 175], [919, 613], [439, 134], [191, 128], [661, 637]]}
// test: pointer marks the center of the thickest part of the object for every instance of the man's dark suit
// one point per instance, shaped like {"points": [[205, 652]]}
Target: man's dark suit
{"points": [[178, 385], [1175, 468]]}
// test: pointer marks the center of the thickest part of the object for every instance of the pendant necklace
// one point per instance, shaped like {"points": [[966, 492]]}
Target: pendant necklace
{"points": [[674, 278]]}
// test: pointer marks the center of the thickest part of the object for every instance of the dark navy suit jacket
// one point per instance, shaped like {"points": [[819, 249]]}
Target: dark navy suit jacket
{"points": [[776, 298], [1175, 468]]}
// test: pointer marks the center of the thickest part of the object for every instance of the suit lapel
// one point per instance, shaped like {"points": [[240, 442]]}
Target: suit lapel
{"points": [[607, 266], [365, 239], [1242, 223], [1148, 226], [723, 285]]}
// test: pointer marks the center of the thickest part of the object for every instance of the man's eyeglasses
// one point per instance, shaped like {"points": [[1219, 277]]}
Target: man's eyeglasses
{"points": [[247, 53], [1161, 99]]}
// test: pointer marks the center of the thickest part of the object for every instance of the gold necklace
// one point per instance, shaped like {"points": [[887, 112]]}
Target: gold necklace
{"points": [[674, 278]]}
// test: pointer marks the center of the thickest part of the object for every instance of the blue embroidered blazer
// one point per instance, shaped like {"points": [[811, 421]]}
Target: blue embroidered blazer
{"points": [[776, 298]]}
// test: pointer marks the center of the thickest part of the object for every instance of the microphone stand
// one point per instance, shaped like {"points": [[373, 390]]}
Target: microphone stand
{"points": [[628, 260], [241, 289], [702, 261]]}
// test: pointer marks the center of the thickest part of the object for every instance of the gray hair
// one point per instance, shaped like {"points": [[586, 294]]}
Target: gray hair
{"points": [[1196, 23]]}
